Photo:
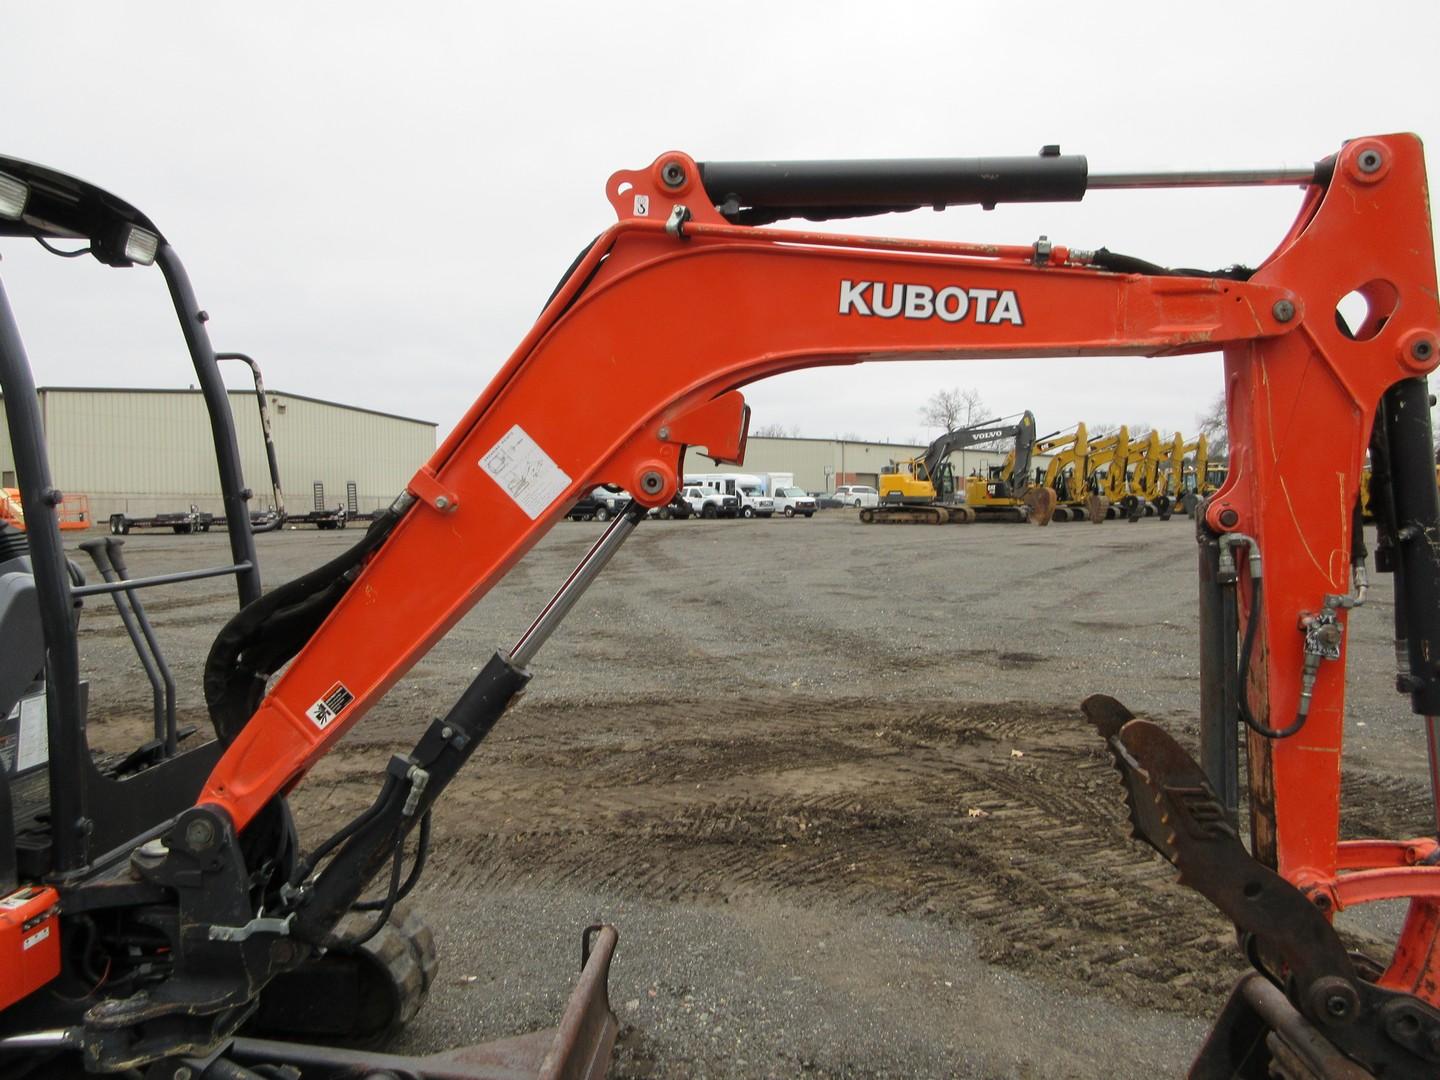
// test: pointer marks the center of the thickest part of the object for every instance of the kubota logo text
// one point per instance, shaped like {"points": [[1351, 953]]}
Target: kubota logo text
{"points": [[950, 304]]}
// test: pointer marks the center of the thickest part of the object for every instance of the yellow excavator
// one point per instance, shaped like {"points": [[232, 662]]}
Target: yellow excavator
{"points": [[1066, 476], [923, 490], [1106, 478], [1200, 477], [1150, 467]]}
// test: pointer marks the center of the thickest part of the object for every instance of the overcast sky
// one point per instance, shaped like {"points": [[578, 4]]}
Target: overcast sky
{"points": [[375, 200]]}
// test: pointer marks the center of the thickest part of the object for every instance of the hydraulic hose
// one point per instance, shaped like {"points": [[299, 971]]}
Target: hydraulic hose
{"points": [[1251, 625]]}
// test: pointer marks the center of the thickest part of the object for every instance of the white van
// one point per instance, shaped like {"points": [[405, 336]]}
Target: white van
{"points": [[857, 495]]}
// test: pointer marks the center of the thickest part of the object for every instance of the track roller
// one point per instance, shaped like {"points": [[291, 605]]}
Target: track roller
{"points": [[357, 997]]}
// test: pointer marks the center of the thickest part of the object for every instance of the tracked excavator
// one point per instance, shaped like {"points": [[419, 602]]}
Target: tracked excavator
{"points": [[1201, 477], [1066, 475], [1108, 479], [1007, 492], [923, 491], [151, 903], [1146, 476]]}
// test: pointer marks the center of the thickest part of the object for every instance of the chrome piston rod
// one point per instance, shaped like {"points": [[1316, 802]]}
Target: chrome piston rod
{"points": [[595, 560], [1301, 175]]}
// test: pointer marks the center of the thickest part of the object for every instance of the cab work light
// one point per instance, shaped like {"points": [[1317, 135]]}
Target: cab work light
{"points": [[14, 194], [140, 245]]}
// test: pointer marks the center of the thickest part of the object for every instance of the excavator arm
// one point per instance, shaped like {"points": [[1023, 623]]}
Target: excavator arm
{"points": [[639, 356]]}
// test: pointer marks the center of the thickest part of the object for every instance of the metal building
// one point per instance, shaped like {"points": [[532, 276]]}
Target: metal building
{"points": [[825, 464], [142, 452]]}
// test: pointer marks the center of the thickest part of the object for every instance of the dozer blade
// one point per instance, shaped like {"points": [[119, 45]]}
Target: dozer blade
{"points": [[1174, 809], [578, 1049], [1097, 506], [1041, 504]]}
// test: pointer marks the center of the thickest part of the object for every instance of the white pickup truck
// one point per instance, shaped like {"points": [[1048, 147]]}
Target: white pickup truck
{"points": [[748, 490], [710, 504]]}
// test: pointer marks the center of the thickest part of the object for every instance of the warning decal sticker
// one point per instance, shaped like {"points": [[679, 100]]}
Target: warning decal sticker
{"points": [[330, 706], [35, 938], [525, 472]]}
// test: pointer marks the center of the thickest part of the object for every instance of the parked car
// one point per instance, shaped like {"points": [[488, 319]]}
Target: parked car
{"points": [[826, 500], [857, 495], [793, 500], [710, 504], [678, 507]]}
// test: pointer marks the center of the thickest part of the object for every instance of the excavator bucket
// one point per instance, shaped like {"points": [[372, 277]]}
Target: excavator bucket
{"points": [[1041, 504], [1098, 508]]}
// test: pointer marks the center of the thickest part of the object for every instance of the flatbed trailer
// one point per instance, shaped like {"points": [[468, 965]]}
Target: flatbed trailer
{"points": [[180, 522]]}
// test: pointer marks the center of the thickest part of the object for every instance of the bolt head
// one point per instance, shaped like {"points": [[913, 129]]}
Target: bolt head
{"points": [[1422, 349], [199, 834], [441, 502], [1370, 161], [1283, 310]]}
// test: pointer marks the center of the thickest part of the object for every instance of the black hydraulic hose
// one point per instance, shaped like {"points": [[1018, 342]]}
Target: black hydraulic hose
{"points": [[422, 849], [569, 270], [1251, 625], [392, 895], [1113, 261], [306, 866]]}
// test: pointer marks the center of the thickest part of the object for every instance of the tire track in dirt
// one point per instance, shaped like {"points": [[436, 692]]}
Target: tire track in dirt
{"points": [[917, 811]]}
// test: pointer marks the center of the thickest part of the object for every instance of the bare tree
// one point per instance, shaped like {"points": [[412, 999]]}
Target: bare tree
{"points": [[769, 431], [954, 408], [1212, 426]]}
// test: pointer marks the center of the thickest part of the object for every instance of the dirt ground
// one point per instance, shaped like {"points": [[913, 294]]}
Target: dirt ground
{"points": [[830, 782]]}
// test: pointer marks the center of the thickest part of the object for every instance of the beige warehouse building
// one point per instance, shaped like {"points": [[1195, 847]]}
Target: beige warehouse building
{"points": [[142, 452]]}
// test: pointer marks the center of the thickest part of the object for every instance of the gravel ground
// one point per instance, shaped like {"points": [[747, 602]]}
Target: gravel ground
{"points": [[829, 781]]}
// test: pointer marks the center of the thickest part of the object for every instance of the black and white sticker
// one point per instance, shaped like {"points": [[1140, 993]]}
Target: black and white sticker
{"points": [[330, 706], [642, 205], [525, 471], [35, 938]]}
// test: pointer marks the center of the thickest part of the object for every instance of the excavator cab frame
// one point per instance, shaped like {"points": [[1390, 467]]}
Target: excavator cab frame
{"points": [[689, 296], [72, 828]]}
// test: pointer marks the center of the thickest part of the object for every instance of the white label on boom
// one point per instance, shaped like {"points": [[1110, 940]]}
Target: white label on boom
{"points": [[525, 472]]}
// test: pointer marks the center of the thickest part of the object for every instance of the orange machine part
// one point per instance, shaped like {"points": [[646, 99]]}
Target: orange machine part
{"points": [[29, 942], [655, 324]]}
